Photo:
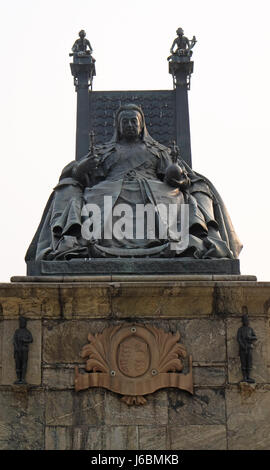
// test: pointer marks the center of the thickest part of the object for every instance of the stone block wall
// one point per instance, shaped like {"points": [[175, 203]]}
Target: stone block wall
{"points": [[48, 413]]}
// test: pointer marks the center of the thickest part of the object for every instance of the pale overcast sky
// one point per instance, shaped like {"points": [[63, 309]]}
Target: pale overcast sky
{"points": [[229, 102]]}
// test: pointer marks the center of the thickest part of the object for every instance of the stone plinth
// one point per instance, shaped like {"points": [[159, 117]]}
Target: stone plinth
{"points": [[206, 310]]}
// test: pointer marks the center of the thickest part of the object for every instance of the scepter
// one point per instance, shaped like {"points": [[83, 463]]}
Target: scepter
{"points": [[175, 152], [91, 143], [91, 156]]}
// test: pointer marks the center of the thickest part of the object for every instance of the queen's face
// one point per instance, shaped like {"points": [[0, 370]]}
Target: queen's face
{"points": [[130, 125]]}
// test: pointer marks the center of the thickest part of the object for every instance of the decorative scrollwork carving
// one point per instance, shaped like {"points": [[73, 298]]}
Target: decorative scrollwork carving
{"points": [[134, 360]]}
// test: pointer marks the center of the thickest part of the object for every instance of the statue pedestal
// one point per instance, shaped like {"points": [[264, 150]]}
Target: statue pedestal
{"points": [[133, 266], [205, 309]]}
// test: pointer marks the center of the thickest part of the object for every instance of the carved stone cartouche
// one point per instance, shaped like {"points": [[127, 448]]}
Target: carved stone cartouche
{"points": [[134, 360]]}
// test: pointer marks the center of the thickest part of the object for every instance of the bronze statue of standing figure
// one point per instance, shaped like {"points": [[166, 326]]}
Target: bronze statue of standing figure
{"points": [[245, 338], [21, 340]]}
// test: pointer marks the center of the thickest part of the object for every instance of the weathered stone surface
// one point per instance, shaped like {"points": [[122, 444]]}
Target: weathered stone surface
{"points": [[1, 340], [74, 438], [212, 376], [229, 300], [87, 437], [88, 407], [67, 408], [59, 378], [197, 437], [203, 338], [153, 437], [59, 408], [176, 300], [170, 298], [21, 419], [96, 418], [260, 371], [268, 343], [5, 429], [248, 418], [253, 296], [154, 412], [4, 445], [57, 438], [64, 300], [33, 373], [1, 347], [121, 437], [30, 300], [91, 438], [64, 340], [90, 300], [206, 407]]}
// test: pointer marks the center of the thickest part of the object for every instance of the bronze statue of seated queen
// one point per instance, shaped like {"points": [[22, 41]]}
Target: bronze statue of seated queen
{"points": [[125, 199]]}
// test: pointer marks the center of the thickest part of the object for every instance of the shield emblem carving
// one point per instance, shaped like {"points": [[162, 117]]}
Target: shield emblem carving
{"points": [[133, 356]]}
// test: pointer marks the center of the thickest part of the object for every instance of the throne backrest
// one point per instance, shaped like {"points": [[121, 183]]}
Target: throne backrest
{"points": [[158, 107]]}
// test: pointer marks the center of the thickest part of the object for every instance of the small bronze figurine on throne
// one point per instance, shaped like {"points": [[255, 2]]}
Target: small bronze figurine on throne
{"points": [[82, 47], [183, 46]]}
